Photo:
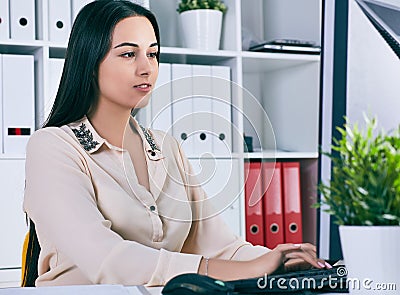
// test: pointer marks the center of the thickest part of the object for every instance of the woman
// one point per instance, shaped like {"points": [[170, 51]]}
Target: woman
{"points": [[113, 202]]}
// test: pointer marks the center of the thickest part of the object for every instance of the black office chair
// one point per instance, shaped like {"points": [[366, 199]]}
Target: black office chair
{"points": [[30, 257]]}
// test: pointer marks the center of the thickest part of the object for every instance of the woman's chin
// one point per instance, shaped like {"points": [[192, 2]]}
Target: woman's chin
{"points": [[143, 102]]}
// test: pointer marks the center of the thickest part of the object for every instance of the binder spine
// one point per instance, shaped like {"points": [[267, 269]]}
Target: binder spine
{"points": [[253, 204], [292, 202]]}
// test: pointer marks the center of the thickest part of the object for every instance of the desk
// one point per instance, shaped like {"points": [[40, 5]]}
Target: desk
{"points": [[144, 291], [90, 290], [83, 290]]}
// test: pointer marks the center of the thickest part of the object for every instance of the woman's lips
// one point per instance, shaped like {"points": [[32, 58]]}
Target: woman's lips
{"points": [[143, 87]]}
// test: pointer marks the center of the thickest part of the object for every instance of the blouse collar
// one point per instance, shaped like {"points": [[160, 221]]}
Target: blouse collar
{"points": [[91, 141]]}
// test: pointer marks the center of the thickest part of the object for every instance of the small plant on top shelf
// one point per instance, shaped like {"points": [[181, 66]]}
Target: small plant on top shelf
{"points": [[186, 5], [202, 23]]}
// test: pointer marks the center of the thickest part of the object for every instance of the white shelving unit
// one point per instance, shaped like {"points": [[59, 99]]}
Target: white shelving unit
{"points": [[285, 87]]}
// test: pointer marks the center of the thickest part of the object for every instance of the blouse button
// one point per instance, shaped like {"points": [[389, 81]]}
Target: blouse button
{"points": [[153, 154], [152, 208]]}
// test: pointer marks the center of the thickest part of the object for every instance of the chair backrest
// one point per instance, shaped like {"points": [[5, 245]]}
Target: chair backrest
{"points": [[30, 257]]}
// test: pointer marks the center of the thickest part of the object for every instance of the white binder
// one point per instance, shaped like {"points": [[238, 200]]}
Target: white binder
{"points": [[59, 20], [182, 125], [5, 20], [18, 102], [76, 6], [222, 122], [22, 19], [220, 179], [161, 109], [202, 109], [55, 70], [12, 220]]}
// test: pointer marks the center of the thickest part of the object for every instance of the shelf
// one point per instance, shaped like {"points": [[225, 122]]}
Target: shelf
{"points": [[27, 43], [267, 61], [10, 277], [57, 52], [190, 51], [12, 157], [194, 56], [269, 154], [20, 47]]}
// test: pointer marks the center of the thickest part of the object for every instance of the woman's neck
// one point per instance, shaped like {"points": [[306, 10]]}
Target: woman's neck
{"points": [[110, 125]]}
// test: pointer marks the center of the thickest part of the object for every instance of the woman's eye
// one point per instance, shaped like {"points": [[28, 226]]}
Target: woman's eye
{"points": [[153, 54], [128, 54]]}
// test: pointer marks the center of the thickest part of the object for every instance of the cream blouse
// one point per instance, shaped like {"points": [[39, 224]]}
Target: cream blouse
{"points": [[97, 225]]}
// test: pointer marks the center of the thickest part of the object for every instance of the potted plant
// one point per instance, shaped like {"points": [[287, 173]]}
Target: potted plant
{"points": [[364, 196], [201, 23]]}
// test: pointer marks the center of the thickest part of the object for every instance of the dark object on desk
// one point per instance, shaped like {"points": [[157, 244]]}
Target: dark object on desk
{"points": [[248, 144], [287, 46], [192, 283], [313, 281]]}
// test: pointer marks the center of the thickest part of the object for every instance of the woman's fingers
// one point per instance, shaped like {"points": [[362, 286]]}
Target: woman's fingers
{"points": [[290, 257], [305, 252], [286, 248], [306, 247], [296, 257], [310, 259], [310, 249]]}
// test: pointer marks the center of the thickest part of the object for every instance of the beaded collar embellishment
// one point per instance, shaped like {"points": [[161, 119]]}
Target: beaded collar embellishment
{"points": [[85, 138], [149, 139]]}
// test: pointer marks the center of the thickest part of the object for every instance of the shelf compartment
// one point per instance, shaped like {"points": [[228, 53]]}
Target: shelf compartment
{"points": [[281, 106], [171, 30], [256, 62], [57, 52], [266, 20], [20, 47]]}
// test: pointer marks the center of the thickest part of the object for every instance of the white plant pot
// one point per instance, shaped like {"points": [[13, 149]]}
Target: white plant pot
{"points": [[372, 257], [202, 28]]}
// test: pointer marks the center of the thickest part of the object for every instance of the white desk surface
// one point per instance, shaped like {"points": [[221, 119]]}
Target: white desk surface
{"points": [[83, 290], [89, 290]]}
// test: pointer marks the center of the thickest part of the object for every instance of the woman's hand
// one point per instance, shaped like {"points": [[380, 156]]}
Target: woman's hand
{"points": [[285, 257], [290, 257]]}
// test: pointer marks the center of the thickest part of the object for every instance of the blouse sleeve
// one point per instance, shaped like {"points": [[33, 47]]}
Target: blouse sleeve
{"points": [[61, 200], [210, 236]]}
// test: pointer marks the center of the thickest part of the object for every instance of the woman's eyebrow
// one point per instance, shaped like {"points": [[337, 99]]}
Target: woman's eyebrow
{"points": [[133, 44]]}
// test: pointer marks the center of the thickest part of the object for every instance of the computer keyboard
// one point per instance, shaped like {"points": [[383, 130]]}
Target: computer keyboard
{"points": [[313, 281]]}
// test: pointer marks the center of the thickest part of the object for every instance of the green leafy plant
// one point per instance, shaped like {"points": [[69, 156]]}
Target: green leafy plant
{"points": [[186, 5], [365, 183]]}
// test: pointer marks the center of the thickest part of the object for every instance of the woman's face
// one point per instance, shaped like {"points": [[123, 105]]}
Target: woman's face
{"points": [[129, 70]]}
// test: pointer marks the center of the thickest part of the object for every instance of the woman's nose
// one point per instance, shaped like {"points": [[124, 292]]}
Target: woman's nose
{"points": [[143, 65]]}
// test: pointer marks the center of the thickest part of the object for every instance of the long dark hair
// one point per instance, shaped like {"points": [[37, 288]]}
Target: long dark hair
{"points": [[89, 42]]}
